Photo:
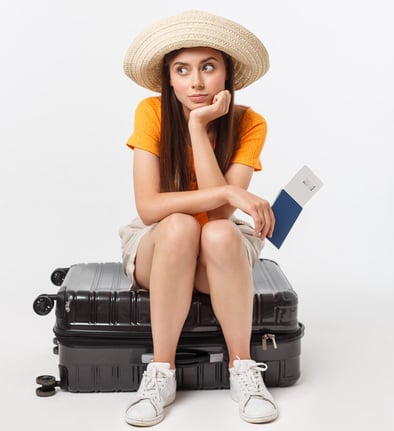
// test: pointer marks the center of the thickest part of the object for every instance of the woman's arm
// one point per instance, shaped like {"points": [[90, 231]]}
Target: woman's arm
{"points": [[237, 175], [208, 173], [153, 206]]}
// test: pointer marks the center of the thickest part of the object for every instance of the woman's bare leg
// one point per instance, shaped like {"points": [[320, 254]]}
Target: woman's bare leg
{"points": [[166, 264], [225, 273]]}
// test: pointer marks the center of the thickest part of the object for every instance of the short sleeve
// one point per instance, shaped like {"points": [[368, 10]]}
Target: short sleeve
{"points": [[147, 123], [252, 138]]}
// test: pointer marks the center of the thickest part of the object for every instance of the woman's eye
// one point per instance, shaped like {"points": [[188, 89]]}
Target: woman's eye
{"points": [[181, 70], [208, 67]]}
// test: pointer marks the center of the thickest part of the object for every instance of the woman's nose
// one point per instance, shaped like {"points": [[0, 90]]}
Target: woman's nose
{"points": [[197, 81]]}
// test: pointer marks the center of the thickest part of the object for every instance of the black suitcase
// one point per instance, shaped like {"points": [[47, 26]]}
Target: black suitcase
{"points": [[103, 334]]}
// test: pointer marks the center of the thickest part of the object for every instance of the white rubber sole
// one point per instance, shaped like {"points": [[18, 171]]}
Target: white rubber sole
{"points": [[254, 420], [144, 423], [258, 420], [149, 422]]}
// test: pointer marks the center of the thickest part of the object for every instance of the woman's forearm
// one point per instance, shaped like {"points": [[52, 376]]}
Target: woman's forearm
{"points": [[154, 208], [208, 173]]}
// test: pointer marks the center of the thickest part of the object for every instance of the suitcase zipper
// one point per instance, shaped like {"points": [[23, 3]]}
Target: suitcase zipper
{"points": [[266, 337], [102, 338], [278, 337]]}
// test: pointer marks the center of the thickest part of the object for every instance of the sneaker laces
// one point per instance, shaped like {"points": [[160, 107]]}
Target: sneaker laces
{"points": [[153, 381], [252, 383]]}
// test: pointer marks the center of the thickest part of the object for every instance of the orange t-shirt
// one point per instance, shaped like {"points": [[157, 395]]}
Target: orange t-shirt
{"points": [[146, 136]]}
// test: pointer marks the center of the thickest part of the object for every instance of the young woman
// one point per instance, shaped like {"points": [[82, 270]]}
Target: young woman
{"points": [[195, 152]]}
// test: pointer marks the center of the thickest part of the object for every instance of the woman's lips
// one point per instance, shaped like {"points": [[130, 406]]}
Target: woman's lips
{"points": [[198, 98]]}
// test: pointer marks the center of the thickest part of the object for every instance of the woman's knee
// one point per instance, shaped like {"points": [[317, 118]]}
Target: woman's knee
{"points": [[221, 239], [178, 232]]}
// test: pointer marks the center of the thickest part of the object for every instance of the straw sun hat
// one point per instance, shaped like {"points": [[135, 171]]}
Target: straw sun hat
{"points": [[189, 29]]}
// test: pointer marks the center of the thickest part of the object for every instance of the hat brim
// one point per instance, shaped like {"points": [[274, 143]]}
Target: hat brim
{"points": [[143, 60]]}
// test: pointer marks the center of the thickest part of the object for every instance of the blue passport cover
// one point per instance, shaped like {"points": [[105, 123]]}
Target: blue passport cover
{"points": [[286, 211]]}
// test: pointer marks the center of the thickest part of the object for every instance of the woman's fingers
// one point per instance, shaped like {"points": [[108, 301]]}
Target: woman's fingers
{"points": [[272, 227], [259, 209], [264, 220], [221, 102]]}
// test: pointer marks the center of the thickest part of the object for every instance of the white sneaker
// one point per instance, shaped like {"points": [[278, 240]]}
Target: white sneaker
{"points": [[247, 388], [157, 390]]}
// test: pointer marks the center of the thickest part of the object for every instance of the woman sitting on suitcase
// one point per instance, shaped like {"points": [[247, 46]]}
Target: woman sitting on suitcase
{"points": [[195, 152]]}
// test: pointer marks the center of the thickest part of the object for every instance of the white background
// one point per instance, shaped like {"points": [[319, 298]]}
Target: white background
{"points": [[66, 110]]}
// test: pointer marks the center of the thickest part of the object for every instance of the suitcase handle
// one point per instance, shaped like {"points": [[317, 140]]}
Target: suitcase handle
{"points": [[188, 358]]}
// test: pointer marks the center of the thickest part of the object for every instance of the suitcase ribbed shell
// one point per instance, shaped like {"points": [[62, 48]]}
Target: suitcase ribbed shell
{"points": [[95, 298]]}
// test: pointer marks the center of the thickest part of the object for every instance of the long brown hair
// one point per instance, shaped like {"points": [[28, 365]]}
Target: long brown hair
{"points": [[175, 163]]}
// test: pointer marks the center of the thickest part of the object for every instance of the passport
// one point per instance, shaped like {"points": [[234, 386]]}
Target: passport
{"points": [[290, 202]]}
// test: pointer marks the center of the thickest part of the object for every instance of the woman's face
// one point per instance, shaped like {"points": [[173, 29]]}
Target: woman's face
{"points": [[197, 75]]}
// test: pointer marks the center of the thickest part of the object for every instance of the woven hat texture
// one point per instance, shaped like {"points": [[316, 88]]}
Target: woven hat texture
{"points": [[194, 28]]}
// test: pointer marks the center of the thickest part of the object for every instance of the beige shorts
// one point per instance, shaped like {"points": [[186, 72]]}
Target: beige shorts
{"points": [[132, 233]]}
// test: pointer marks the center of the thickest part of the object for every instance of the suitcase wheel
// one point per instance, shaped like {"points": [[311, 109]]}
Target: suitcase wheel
{"points": [[58, 275], [47, 381], [47, 386], [45, 392], [44, 304]]}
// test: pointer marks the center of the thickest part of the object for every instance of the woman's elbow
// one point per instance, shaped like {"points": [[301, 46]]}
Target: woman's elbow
{"points": [[147, 217]]}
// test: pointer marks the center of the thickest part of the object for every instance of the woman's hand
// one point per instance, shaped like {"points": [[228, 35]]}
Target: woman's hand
{"points": [[259, 209], [207, 113]]}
